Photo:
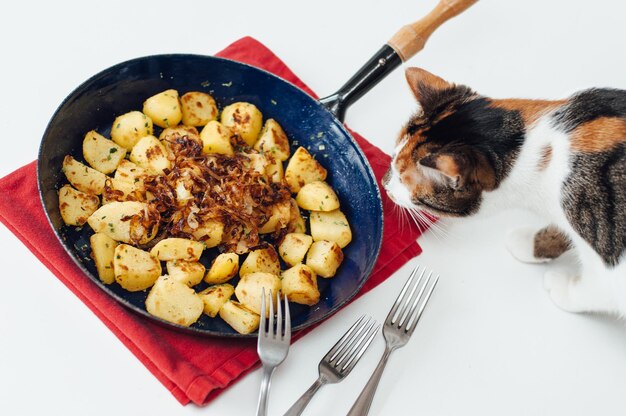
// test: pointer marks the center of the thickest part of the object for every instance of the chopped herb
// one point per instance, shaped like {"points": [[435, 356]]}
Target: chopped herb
{"points": [[113, 150], [205, 84], [320, 134], [118, 257], [146, 125], [227, 84], [273, 102], [103, 217], [118, 126], [326, 197], [321, 147]]}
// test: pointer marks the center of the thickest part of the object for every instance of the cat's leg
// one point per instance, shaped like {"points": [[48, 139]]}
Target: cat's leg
{"points": [[530, 245], [580, 291]]}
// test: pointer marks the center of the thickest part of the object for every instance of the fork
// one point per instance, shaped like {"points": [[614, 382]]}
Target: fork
{"points": [[272, 345], [340, 360], [397, 330]]}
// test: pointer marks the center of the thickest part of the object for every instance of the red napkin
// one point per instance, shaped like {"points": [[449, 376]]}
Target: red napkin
{"points": [[192, 368]]}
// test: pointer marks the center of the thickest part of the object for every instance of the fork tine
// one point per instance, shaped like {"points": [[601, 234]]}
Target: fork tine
{"points": [[270, 326], [279, 317], [263, 326], [343, 352], [287, 321], [415, 318], [358, 351], [394, 308], [343, 339], [404, 314], [412, 302]]}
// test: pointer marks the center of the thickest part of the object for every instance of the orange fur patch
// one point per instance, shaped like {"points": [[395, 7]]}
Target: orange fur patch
{"points": [[599, 135], [546, 157], [530, 110]]}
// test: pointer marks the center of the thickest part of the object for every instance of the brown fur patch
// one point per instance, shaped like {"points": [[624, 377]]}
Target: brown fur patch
{"points": [[550, 243], [599, 135], [546, 157], [418, 78], [530, 110]]}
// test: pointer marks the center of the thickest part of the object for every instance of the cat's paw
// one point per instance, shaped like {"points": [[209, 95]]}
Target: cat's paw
{"points": [[521, 244], [559, 285]]}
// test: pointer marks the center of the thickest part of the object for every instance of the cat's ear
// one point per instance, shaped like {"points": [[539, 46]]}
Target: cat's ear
{"points": [[461, 167], [423, 82]]}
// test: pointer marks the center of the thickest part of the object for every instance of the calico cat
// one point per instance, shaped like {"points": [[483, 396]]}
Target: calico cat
{"points": [[463, 154]]}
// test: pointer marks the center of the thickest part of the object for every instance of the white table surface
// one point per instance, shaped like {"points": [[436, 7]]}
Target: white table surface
{"points": [[490, 342]]}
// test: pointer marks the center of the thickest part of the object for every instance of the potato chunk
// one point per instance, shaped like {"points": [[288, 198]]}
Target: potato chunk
{"points": [[240, 318], [103, 253], [274, 170], [249, 290], [135, 269], [187, 272], [216, 139], [296, 223], [123, 221], [273, 141], [223, 268], [299, 284], [150, 154], [261, 260], [119, 190], [177, 249], [101, 153], [293, 248], [128, 128], [215, 297], [128, 171], [164, 109], [209, 232], [302, 169], [76, 206], [324, 257], [317, 196], [174, 302], [82, 177], [198, 108], [331, 226], [244, 119], [281, 213]]}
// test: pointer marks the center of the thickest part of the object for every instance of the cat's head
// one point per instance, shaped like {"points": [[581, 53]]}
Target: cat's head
{"points": [[456, 147]]}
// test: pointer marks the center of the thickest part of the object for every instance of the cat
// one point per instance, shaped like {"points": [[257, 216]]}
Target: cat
{"points": [[463, 154]]}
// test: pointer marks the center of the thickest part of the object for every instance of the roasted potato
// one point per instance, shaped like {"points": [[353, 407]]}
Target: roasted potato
{"points": [[75, 206], [164, 109], [274, 170], [281, 213], [299, 284], [244, 119], [177, 249], [209, 232], [128, 171], [103, 253], [296, 223], [128, 128], [198, 108], [108, 220], [174, 302], [215, 297], [273, 141], [119, 190], [331, 226], [317, 196], [261, 260], [293, 248], [101, 153], [82, 177], [187, 272], [257, 162], [249, 290], [239, 317], [302, 169], [216, 139], [135, 269], [324, 257], [150, 154], [223, 268]]}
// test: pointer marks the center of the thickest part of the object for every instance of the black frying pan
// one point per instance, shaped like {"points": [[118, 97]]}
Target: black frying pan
{"points": [[309, 123]]}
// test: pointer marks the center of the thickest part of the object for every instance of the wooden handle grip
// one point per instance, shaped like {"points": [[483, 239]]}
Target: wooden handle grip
{"points": [[411, 38]]}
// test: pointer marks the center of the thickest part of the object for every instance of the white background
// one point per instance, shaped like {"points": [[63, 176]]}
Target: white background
{"points": [[490, 343]]}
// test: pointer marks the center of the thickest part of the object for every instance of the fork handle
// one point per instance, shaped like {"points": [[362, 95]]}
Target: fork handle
{"points": [[304, 400], [261, 409], [361, 406]]}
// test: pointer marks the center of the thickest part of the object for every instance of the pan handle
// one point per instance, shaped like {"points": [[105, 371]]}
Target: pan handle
{"points": [[409, 40]]}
